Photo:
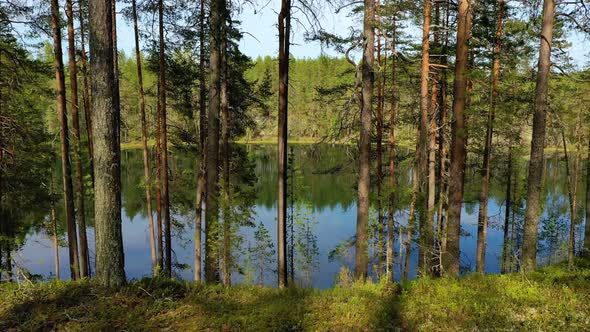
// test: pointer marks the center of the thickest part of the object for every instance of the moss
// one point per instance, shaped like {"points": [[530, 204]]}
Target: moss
{"points": [[548, 299]]}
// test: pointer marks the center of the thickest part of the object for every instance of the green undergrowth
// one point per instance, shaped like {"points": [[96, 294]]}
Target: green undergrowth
{"points": [[551, 299]]}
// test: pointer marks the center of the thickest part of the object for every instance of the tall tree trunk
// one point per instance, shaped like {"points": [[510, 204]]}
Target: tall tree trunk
{"points": [[379, 150], [364, 181], [225, 159], [283, 134], [211, 204], [83, 242], [482, 219], [586, 249], [535, 176], [458, 141], [442, 142], [65, 144], [425, 225], [202, 138], [110, 260], [505, 245], [144, 140], [391, 220], [164, 148], [86, 94]]}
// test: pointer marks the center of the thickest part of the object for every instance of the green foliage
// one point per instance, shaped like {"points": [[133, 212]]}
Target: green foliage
{"points": [[262, 253], [550, 299]]}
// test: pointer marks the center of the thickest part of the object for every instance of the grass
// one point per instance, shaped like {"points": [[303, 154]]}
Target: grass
{"points": [[551, 299]]}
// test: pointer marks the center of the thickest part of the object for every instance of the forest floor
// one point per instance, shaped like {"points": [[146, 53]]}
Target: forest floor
{"points": [[551, 299]]}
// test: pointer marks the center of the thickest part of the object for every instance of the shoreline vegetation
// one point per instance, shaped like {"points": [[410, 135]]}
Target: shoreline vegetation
{"points": [[550, 299], [134, 145]]}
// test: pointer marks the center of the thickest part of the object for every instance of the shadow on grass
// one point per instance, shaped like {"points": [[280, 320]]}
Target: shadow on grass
{"points": [[152, 304]]}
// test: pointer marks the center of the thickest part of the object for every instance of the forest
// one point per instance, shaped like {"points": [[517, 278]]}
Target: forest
{"points": [[389, 165]]}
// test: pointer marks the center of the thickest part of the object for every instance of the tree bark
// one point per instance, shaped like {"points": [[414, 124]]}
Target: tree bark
{"points": [[65, 145], [164, 144], [110, 262], [225, 160], [535, 176], [144, 140], [202, 139], [284, 25], [379, 149], [201, 185], [80, 216], [425, 225], [458, 142], [212, 208], [364, 181], [86, 94], [482, 219]]}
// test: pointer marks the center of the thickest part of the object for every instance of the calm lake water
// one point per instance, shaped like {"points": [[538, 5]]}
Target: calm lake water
{"points": [[325, 183]]}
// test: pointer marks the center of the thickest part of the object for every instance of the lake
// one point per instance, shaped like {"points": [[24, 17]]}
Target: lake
{"points": [[325, 192]]}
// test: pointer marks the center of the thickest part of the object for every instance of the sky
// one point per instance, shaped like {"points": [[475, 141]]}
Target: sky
{"points": [[261, 35]]}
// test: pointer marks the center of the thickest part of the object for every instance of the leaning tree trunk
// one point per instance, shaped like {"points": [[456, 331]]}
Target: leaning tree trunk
{"points": [[364, 181], [535, 176], [110, 262], [482, 219], [65, 146], [217, 9], [284, 43], [83, 242], [144, 140], [458, 142], [164, 144], [425, 225]]}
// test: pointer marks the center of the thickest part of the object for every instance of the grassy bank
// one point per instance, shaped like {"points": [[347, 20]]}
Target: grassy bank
{"points": [[551, 299]]}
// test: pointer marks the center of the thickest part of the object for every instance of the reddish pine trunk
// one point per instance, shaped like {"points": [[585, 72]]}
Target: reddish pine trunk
{"points": [[65, 146], [144, 134], [83, 242]]}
